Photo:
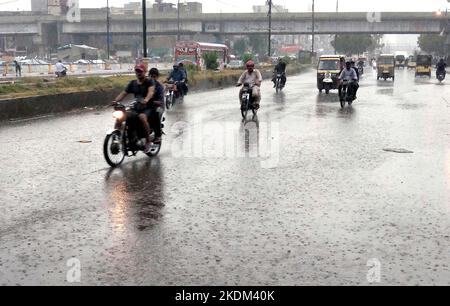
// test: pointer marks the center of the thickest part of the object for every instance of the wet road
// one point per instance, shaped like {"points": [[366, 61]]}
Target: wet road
{"points": [[305, 196]]}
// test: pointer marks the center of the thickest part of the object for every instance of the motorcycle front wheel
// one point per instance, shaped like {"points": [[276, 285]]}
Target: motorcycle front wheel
{"points": [[244, 110], [113, 149]]}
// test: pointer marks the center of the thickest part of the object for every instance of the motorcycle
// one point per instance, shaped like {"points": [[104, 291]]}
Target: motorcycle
{"points": [[328, 83], [247, 102], [61, 74], [361, 71], [172, 94], [278, 82], [441, 76], [345, 96], [130, 138]]}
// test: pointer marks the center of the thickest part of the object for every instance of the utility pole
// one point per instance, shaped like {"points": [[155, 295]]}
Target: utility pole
{"points": [[313, 25], [144, 28], [337, 6], [108, 39], [179, 29], [269, 3]]}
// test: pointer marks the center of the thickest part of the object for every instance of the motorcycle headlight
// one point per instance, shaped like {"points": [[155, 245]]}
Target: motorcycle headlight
{"points": [[118, 115], [328, 76]]}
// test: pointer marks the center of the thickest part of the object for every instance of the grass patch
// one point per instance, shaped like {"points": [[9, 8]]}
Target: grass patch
{"points": [[30, 87]]}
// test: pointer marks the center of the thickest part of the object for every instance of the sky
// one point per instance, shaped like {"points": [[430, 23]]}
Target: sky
{"points": [[224, 6]]}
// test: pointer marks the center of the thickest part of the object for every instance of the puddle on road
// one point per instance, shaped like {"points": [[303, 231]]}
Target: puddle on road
{"points": [[406, 106], [399, 151]]}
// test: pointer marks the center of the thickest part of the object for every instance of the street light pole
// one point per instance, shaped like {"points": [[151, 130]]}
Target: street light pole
{"points": [[108, 48], [178, 20], [313, 25], [144, 28], [269, 2]]}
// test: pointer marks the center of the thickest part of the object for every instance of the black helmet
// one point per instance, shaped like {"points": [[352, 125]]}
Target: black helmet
{"points": [[154, 72]]}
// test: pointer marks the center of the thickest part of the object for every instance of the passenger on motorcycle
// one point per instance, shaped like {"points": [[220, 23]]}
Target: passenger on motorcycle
{"points": [[351, 76], [254, 78], [156, 102], [280, 68], [143, 90], [186, 81], [178, 76], [441, 68]]}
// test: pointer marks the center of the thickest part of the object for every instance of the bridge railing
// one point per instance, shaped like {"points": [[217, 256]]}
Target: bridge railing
{"points": [[8, 70]]}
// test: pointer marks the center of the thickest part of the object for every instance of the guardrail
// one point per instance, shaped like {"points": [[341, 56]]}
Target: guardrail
{"points": [[49, 69]]}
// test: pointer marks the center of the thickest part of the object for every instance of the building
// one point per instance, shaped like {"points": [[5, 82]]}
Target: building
{"points": [[40, 6], [160, 7], [51, 7], [265, 9]]}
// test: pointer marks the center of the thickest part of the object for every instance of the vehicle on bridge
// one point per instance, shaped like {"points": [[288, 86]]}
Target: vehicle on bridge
{"points": [[386, 67], [328, 70], [192, 53], [424, 65], [412, 62]]}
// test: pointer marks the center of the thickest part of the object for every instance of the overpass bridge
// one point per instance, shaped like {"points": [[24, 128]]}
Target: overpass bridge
{"points": [[48, 30]]}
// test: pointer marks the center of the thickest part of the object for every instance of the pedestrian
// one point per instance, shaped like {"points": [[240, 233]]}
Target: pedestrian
{"points": [[18, 68]]}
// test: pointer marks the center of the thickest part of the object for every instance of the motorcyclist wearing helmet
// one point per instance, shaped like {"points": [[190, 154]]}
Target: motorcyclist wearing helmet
{"points": [[280, 68], [441, 67], [179, 77], [143, 90], [254, 78], [186, 81], [351, 76]]}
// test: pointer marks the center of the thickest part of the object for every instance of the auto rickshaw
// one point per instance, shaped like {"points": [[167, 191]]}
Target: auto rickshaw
{"points": [[412, 62], [424, 65], [386, 67], [328, 70]]}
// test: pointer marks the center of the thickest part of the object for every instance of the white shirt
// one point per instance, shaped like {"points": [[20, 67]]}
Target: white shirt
{"points": [[60, 67], [348, 75]]}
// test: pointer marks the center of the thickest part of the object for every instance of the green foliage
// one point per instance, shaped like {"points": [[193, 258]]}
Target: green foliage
{"points": [[246, 57], [240, 46], [350, 44], [433, 43], [259, 44], [210, 59], [191, 69]]}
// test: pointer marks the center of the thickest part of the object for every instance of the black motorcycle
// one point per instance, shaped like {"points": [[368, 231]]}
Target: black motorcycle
{"points": [[61, 74], [345, 96], [130, 138], [247, 101], [441, 76], [173, 95], [361, 71], [279, 82]]}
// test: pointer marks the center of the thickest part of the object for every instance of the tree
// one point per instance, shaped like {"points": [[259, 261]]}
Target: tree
{"points": [[240, 46], [433, 43], [247, 56], [210, 59], [259, 44], [355, 43]]}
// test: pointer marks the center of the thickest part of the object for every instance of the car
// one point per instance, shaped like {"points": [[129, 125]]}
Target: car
{"points": [[236, 64]]}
